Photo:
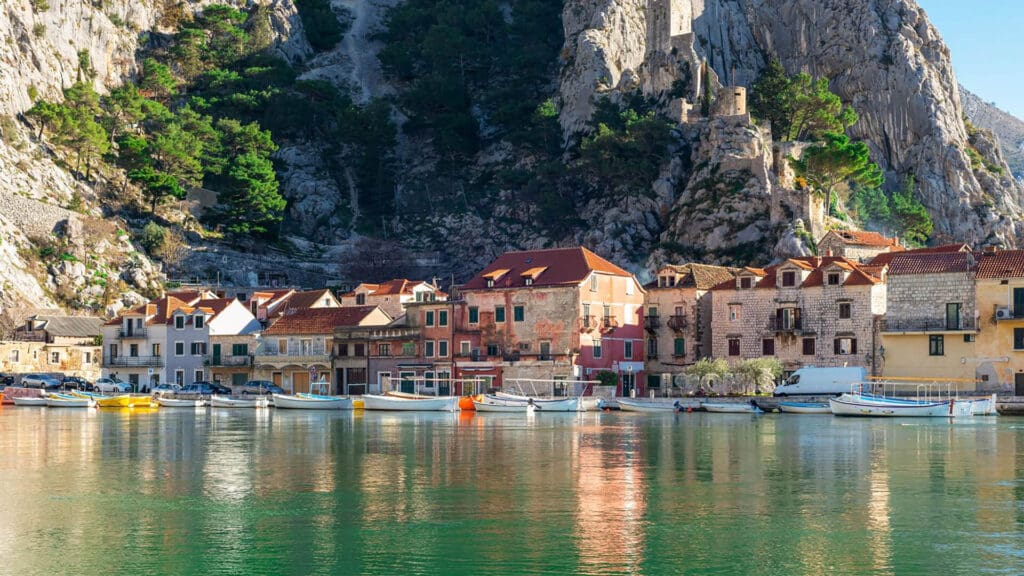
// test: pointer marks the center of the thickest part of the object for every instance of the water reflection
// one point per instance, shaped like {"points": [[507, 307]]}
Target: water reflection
{"points": [[225, 491]]}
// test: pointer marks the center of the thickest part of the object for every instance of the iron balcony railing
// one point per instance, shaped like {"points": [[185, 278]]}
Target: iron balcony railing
{"points": [[132, 333], [652, 322], [678, 322], [776, 324], [212, 360], [133, 361], [292, 350], [928, 324]]}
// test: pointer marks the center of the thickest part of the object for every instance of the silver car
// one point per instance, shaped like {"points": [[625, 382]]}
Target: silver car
{"points": [[107, 385], [39, 381]]}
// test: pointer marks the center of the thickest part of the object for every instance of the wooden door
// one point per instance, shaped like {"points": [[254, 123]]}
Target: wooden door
{"points": [[1018, 384], [300, 381]]}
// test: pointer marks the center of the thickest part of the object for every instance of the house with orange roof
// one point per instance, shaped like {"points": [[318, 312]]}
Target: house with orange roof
{"points": [[554, 315], [677, 318], [233, 334], [393, 295], [297, 348], [808, 311], [294, 301], [858, 245]]}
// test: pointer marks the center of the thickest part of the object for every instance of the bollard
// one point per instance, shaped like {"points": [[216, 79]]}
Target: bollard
{"points": [[632, 392]]}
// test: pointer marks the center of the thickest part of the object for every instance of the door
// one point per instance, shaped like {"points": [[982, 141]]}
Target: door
{"points": [[628, 384], [276, 378], [239, 379], [1018, 384], [408, 385], [215, 361], [300, 381], [1018, 302]]}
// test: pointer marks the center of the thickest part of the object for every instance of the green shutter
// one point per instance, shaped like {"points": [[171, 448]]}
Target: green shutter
{"points": [[499, 314], [474, 315], [679, 347], [518, 313]]}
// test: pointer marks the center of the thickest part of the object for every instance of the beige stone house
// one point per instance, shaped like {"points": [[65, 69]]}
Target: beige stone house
{"points": [[68, 345], [677, 318], [857, 245], [808, 311], [393, 296]]}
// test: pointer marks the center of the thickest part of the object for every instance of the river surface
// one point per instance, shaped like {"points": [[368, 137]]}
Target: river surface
{"points": [[242, 492]]}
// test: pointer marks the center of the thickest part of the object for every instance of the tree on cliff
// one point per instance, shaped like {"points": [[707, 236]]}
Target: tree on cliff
{"points": [[799, 107], [836, 161]]}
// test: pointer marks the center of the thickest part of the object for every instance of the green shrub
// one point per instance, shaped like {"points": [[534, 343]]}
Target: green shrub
{"points": [[152, 237]]}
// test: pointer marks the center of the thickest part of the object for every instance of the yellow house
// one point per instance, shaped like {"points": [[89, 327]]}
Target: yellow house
{"points": [[931, 325], [1000, 346]]}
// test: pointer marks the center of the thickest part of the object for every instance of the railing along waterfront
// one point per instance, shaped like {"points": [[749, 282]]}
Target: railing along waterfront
{"points": [[132, 361]]}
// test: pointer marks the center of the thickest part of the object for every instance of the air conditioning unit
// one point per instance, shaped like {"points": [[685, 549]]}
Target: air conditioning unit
{"points": [[1003, 313]]}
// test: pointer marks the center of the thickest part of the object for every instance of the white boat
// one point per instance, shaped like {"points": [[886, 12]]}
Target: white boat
{"points": [[165, 402], [485, 405], [732, 407], [983, 406], [303, 401], [29, 401], [571, 404], [632, 405], [590, 403], [860, 405], [805, 407], [430, 404], [68, 401], [228, 402]]}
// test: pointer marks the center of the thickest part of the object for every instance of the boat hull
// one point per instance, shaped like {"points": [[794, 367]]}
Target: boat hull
{"points": [[485, 406], [179, 403], [311, 402], [66, 401], [396, 403], [631, 405], [114, 401], [731, 408], [541, 404], [804, 408], [847, 405], [224, 402], [29, 401]]}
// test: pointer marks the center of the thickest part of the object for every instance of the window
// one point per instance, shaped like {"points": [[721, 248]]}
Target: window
{"points": [[936, 345], [627, 350], [198, 321], [179, 323], [113, 351], [1018, 338], [679, 347], [384, 349], [474, 315], [734, 346], [360, 349], [968, 337], [86, 357], [54, 357], [597, 348], [408, 348], [528, 281], [844, 346], [593, 283], [607, 314], [499, 313], [746, 282], [428, 348], [833, 279], [198, 376], [282, 346], [518, 313], [442, 348], [523, 346], [545, 349], [629, 286], [429, 314], [788, 278], [239, 349], [768, 347], [15, 355], [735, 312], [342, 349], [490, 282], [154, 350], [788, 319], [360, 299], [198, 348], [133, 350], [808, 346], [845, 311], [492, 349], [442, 318], [652, 347], [179, 348], [652, 311], [464, 347], [179, 377], [586, 315], [953, 316]]}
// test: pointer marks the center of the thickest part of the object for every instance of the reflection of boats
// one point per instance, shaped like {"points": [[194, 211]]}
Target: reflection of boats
{"points": [[303, 401], [869, 405], [165, 402], [571, 404], [228, 402], [122, 401], [632, 405], [68, 401], [485, 404], [805, 407], [396, 402], [732, 407], [140, 401], [590, 403], [469, 402], [29, 400]]}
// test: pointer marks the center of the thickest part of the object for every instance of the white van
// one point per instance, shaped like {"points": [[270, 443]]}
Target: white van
{"points": [[821, 381]]}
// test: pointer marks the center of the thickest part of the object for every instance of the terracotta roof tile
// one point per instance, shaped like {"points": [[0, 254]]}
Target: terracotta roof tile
{"points": [[565, 266], [858, 275], [865, 238], [905, 263], [301, 301], [1001, 264], [699, 276], [886, 257], [318, 320]]}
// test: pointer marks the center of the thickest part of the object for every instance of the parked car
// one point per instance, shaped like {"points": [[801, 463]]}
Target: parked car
{"points": [[206, 389], [40, 381], [261, 387], [821, 381], [76, 383], [165, 388], [6, 380], [108, 385]]}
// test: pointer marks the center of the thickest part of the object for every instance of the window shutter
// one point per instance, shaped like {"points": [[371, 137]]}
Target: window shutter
{"points": [[853, 346], [835, 346]]}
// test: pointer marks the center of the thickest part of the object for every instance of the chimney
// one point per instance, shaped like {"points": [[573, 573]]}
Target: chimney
{"points": [[990, 249]]}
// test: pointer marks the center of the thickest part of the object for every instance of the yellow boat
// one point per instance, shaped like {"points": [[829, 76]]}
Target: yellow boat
{"points": [[357, 404], [140, 401], [123, 401]]}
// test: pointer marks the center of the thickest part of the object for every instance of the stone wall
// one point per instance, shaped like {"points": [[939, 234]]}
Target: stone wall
{"points": [[917, 298], [82, 361]]}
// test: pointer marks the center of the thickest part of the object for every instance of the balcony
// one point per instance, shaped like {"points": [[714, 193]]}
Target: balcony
{"points": [[652, 323], [129, 333], [293, 354], [790, 324], [512, 356], [545, 357], [588, 323], [227, 361], [678, 322], [929, 325], [133, 361]]}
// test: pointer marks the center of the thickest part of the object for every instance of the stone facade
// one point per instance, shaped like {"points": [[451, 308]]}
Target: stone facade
{"points": [[805, 312], [20, 357]]}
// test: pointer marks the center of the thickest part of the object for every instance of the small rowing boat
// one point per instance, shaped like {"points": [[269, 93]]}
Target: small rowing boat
{"points": [[732, 407], [29, 400], [804, 407], [571, 404], [428, 404], [489, 405], [868, 405], [632, 405], [122, 401], [304, 401], [165, 402], [228, 402], [68, 401]]}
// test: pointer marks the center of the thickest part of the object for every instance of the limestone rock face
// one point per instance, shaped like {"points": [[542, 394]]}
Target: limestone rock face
{"points": [[1008, 129]]}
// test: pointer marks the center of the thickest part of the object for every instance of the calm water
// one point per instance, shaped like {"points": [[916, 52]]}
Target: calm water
{"points": [[229, 492]]}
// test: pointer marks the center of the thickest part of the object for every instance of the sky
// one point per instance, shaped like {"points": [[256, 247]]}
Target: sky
{"points": [[986, 40]]}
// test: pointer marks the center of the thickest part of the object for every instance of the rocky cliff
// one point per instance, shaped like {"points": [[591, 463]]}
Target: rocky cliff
{"points": [[1007, 128]]}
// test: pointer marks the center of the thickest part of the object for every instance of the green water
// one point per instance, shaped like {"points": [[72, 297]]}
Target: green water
{"points": [[236, 492]]}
